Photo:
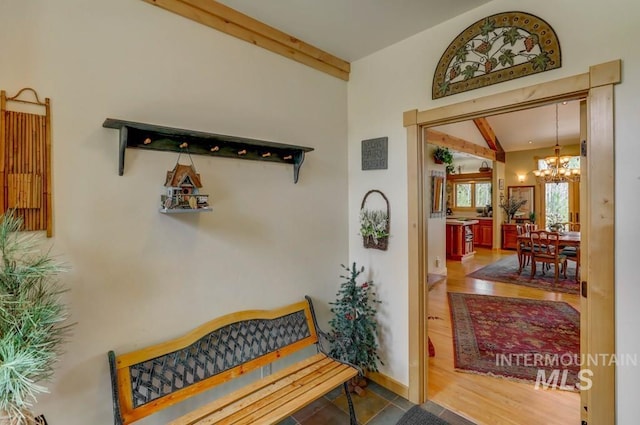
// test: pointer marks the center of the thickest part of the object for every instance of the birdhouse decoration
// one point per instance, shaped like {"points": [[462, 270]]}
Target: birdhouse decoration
{"points": [[182, 190]]}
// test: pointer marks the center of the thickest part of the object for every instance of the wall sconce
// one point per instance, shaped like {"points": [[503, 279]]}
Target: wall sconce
{"points": [[521, 178]]}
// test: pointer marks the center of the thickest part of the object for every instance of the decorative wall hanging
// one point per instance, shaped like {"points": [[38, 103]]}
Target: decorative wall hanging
{"points": [[437, 194], [498, 48], [183, 189], [374, 153], [25, 161], [374, 224]]}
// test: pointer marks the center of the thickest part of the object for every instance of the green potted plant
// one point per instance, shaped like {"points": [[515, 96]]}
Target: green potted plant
{"points": [[33, 320], [354, 327], [442, 156]]}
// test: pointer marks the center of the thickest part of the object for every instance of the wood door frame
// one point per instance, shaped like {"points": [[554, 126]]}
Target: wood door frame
{"points": [[598, 312]]}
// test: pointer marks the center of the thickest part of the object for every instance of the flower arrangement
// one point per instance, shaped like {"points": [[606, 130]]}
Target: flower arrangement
{"points": [[374, 224], [511, 206]]}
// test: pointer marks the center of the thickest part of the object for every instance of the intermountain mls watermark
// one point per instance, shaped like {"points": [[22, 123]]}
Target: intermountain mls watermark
{"points": [[554, 370]]}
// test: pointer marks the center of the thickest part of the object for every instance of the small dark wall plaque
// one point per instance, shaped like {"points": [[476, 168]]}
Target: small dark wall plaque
{"points": [[374, 154]]}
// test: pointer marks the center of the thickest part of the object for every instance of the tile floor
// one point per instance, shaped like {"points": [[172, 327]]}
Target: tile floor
{"points": [[378, 406]]}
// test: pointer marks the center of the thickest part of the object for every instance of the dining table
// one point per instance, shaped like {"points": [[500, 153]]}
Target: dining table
{"points": [[564, 239]]}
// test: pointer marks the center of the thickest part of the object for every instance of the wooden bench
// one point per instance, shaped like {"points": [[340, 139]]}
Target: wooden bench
{"points": [[153, 378]]}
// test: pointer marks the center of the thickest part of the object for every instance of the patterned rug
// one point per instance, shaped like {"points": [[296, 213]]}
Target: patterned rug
{"points": [[515, 337], [506, 270]]}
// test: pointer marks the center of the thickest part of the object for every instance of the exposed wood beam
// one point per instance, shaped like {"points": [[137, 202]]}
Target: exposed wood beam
{"points": [[490, 137], [442, 139], [232, 22]]}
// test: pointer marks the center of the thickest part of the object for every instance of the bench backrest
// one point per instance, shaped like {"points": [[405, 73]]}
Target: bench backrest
{"points": [[153, 378]]}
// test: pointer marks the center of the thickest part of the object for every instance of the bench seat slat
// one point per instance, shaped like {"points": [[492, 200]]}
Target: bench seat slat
{"points": [[301, 398], [264, 385], [247, 407], [276, 405]]}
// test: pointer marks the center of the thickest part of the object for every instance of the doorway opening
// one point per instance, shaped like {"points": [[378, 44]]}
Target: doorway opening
{"points": [[597, 206]]}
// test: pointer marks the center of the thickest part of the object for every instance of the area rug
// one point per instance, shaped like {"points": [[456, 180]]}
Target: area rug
{"points": [[418, 416], [506, 270], [515, 337]]}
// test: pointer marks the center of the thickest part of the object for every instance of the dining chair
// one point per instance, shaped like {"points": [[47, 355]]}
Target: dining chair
{"points": [[547, 252], [523, 248], [569, 227], [573, 254]]}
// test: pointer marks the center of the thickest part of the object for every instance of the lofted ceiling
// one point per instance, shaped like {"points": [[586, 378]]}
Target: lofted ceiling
{"points": [[352, 29], [523, 130]]}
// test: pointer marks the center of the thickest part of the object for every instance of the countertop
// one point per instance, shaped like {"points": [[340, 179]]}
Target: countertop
{"points": [[457, 222]]}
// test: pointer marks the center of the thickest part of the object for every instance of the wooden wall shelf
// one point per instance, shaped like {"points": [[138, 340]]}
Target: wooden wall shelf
{"points": [[471, 176], [159, 138]]}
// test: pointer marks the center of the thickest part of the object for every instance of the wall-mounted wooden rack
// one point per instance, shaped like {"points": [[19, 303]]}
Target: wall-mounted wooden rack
{"points": [[159, 138]]}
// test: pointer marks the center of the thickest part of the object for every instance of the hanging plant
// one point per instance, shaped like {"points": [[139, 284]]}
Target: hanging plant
{"points": [[442, 156]]}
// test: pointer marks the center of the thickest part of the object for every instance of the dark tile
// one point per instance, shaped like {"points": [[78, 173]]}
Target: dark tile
{"points": [[434, 408], [335, 393], [403, 403], [288, 421], [311, 409], [366, 406], [390, 415], [454, 419], [381, 391], [331, 414]]}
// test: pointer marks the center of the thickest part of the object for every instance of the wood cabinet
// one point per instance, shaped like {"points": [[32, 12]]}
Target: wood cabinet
{"points": [[459, 241], [483, 233], [509, 236]]}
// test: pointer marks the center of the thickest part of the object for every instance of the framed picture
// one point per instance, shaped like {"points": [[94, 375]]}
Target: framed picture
{"points": [[437, 194], [500, 184], [523, 192]]}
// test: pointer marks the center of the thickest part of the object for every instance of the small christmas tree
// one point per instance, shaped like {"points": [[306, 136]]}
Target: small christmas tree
{"points": [[354, 327]]}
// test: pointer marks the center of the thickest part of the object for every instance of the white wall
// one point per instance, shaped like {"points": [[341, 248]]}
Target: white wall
{"points": [[137, 276], [437, 226], [399, 78]]}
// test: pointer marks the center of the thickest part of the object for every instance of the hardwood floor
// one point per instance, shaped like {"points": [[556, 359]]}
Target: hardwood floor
{"points": [[483, 399]]}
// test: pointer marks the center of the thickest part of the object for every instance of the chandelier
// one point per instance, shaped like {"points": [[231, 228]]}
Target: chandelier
{"points": [[558, 168]]}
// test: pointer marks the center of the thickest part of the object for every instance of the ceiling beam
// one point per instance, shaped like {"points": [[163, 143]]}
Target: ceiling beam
{"points": [[442, 139], [232, 22], [490, 137]]}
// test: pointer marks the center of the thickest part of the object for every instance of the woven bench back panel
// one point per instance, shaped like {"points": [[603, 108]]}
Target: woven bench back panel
{"points": [[217, 352]]}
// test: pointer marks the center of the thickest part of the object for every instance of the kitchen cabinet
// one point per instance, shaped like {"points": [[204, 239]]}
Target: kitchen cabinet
{"points": [[459, 239], [483, 232], [509, 236]]}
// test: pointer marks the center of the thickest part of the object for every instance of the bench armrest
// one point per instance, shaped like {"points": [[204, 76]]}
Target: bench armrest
{"points": [[323, 337], [117, 417]]}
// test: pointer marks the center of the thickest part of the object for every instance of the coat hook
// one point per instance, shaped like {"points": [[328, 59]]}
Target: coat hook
{"points": [[184, 145], [215, 149], [242, 152], [266, 155], [288, 157], [147, 141]]}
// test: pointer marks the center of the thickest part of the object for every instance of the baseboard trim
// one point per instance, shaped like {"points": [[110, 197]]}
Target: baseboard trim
{"points": [[389, 383]]}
